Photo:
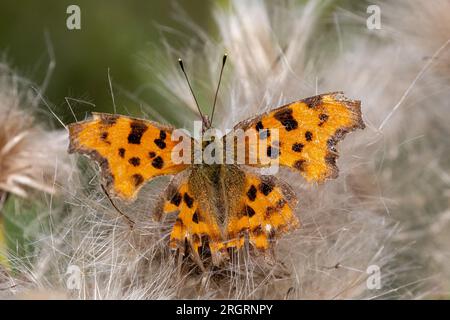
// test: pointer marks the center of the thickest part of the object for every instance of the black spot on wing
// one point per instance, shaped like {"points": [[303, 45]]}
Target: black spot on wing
{"points": [[249, 211], [121, 152], [195, 216], [188, 200], [134, 161], [297, 147], [265, 188], [158, 162], [151, 154], [251, 193], [160, 143], [137, 130], [308, 136], [286, 119], [176, 199]]}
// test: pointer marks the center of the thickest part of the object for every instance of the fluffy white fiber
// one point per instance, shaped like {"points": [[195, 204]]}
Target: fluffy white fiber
{"points": [[389, 207], [27, 160]]}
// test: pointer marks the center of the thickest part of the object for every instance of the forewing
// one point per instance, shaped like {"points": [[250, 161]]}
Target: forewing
{"points": [[129, 151], [308, 131]]}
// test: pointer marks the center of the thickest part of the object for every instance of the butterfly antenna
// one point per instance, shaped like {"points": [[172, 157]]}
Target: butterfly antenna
{"points": [[224, 59], [130, 222], [190, 88]]}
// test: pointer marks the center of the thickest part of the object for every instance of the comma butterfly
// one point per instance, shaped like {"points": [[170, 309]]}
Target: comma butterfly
{"points": [[220, 205]]}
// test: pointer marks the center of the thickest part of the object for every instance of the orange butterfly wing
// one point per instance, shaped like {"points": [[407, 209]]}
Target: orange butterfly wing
{"points": [[265, 211], [129, 151], [308, 131]]}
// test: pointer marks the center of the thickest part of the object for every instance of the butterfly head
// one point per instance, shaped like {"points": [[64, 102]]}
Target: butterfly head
{"points": [[206, 123]]}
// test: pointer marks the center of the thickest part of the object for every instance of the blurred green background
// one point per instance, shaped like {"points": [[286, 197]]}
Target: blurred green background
{"points": [[114, 34]]}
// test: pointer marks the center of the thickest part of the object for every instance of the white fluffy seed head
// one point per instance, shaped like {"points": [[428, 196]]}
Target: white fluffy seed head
{"points": [[31, 157]]}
